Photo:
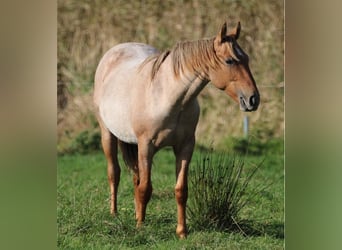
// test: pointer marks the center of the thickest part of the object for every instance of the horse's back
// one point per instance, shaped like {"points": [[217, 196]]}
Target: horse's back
{"points": [[125, 58], [115, 78]]}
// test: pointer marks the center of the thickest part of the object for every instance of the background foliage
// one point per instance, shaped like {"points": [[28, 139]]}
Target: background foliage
{"points": [[87, 29]]}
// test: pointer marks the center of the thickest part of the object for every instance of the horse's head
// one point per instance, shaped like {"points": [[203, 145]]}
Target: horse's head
{"points": [[233, 74]]}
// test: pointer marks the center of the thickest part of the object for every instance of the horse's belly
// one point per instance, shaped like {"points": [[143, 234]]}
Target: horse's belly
{"points": [[116, 91], [117, 120], [123, 134]]}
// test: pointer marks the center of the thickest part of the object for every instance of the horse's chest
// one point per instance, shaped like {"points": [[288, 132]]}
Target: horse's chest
{"points": [[167, 135], [175, 128]]}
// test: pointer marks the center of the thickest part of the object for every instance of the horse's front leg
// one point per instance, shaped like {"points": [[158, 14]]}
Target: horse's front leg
{"points": [[142, 181], [183, 154]]}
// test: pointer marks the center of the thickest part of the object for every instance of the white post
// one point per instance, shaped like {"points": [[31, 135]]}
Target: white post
{"points": [[245, 126]]}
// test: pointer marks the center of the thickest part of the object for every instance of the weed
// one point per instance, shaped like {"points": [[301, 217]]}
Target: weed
{"points": [[218, 191]]}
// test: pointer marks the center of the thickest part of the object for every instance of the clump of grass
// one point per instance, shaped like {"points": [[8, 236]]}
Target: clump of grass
{"points": [[218, 185]]}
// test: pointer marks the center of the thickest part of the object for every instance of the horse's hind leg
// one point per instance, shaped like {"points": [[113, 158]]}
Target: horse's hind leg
{"points": [[110, 149]]}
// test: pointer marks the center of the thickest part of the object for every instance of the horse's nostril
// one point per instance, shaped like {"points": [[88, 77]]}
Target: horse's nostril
{"points": [[253, 100]]}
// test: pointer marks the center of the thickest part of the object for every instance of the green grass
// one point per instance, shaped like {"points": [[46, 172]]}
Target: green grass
{"points": [[84, 221]]}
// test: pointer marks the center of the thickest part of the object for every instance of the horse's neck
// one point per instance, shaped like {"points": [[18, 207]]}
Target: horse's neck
{"points": [[189, 69], [193, 85], [182, 88]]}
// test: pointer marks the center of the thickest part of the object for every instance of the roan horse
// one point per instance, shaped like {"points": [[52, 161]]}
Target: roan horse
{"points": [[146, 100]]}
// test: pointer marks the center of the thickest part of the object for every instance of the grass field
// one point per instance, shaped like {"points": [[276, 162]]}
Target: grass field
{"points": [[84, 221]]}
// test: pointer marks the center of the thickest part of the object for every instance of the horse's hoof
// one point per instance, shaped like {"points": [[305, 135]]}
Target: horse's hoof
{"points": [[182, 236], [181, 232], [113, 213]]}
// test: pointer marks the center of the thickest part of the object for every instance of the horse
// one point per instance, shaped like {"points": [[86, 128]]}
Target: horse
{"points": [[146, 100]]}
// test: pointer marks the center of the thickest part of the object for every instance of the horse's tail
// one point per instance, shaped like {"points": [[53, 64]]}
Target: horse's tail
{"points": [[129, 154]]}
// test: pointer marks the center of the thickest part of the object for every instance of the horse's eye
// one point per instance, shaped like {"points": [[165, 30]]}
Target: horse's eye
{"points": [[230, 61]]}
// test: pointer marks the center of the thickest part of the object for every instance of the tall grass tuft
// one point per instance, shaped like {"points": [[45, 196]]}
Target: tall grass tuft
{"points": [[218, 185]]}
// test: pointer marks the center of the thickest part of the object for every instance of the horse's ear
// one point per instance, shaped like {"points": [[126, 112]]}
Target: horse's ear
{"points": [[236, 31], [223, 32]]}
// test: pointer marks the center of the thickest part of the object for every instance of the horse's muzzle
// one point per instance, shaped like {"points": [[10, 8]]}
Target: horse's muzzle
{"points": [[249, 104]]}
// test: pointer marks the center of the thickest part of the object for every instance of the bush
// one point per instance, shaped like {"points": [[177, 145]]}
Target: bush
{"points": [[85, 142], [218, 191]]}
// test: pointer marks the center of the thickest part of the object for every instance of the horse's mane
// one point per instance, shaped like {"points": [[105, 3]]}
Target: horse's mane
{"points": [[197, 56]]}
